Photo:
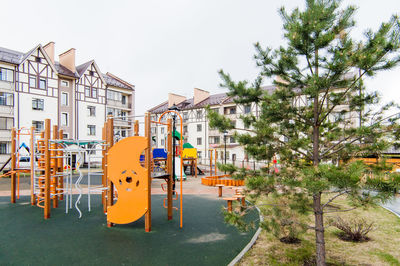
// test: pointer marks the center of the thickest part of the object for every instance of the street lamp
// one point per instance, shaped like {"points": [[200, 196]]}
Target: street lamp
{"points": [[173, 108], [225, 135]]}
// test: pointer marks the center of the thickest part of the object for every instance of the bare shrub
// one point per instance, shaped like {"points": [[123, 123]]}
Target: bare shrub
{"points": [[354, 230]]}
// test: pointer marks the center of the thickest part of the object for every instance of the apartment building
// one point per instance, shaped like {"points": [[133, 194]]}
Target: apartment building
{"points": [[34, 87], [196, 129]]}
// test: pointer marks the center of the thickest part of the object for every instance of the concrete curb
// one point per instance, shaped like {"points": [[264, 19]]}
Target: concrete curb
{"points": [[392, 211], [249, 245]]}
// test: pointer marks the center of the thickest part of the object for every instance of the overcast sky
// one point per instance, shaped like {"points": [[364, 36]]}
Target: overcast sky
{"points": [[170, 46]]}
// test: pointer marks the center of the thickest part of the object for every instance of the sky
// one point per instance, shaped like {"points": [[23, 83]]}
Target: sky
{"points": [[175, 45]]}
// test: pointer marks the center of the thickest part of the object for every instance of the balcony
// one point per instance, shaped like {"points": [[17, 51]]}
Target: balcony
{"points": [[214, 132], [118, 104]]}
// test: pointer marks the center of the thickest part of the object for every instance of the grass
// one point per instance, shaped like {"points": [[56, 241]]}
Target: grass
{"points": [[382, 249]]}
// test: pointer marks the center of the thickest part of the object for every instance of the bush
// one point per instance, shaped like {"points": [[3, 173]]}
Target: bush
{"points": [[353, 230]]}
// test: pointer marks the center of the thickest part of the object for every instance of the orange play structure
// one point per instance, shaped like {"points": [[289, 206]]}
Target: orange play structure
{"points": [[130, 180], [215, 179], [126, 180], [47, 176]]}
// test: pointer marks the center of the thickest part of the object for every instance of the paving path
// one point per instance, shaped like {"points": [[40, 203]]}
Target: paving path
{"points": [[394, 205]]}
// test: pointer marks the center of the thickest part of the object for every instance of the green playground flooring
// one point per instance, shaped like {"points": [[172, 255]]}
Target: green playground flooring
{"points": [[27, 239]]}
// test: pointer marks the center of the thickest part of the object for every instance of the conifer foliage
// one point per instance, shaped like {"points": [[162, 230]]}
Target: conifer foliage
{"points": [[318, 118]]}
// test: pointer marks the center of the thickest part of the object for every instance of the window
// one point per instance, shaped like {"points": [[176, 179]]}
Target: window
{"points": [[185, 129], [123, 115], [6, 99], [91, 130], [215, 110], [64, 83], [338, 117], [162, 142], [91, 73], [199, 154], [42, 84], [123, 133], [38, 59], [94, 93], [214, 140], [230, 110], [91, 110], [38, 104], [38, 125], [123, 100], [110, 95], [198, 114], [162, 130], [310, 101], [185, 116], [6, 74], [64, 119], [198, 127], [6, 122], [231, 139], [198, 141], [233, 157], [87, 91], [110, 111], [65, 135], [32, 82], [64, 98], [247, 109], [3, 148]]}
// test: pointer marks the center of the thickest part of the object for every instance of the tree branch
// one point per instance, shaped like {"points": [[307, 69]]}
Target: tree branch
{"points": [[342, 210], [334, 197]]}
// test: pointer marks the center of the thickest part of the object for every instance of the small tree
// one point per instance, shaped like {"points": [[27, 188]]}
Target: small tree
{"points": [[319, 113]]}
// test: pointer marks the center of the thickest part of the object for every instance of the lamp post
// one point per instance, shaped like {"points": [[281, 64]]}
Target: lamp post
{"points": [[173, 108], [225, 135]]}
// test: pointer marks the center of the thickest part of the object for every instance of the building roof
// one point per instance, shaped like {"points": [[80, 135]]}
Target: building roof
{"points": [[215, 99], [64, 71], [117, 82], [15, 57], [10, 56], [189, 103], [82, 68]]}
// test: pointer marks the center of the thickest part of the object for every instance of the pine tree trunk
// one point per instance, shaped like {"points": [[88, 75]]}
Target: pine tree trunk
{"points": [[319, 230], [318, 214]]}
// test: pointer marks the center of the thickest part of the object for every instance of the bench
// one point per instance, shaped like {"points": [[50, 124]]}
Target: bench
{"points": [[220, 186]]}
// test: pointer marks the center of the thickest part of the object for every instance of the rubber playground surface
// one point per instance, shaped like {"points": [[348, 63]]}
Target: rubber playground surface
{"points": [[26, 238]]}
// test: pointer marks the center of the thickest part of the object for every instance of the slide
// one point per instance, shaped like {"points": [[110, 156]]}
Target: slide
{"points": [[178, 169], [23, 145]]}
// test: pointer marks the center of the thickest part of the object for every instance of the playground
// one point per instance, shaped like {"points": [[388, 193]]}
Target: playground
{"points": [[26, 238], [133, 203]]}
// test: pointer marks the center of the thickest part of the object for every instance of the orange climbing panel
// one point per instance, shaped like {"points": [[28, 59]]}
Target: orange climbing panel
{"points": [[130, 180]]}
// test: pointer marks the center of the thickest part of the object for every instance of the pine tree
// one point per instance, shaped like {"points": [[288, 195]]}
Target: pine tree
{"points": [[320, 112]]}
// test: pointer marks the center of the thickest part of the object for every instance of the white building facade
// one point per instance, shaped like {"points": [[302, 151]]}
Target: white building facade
{"points": [[35, 87], [196, 130]]}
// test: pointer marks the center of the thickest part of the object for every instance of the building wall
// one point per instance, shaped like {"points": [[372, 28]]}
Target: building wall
{"points": [[84, 120], [22, 90], [69, 108], [7, 86]]}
